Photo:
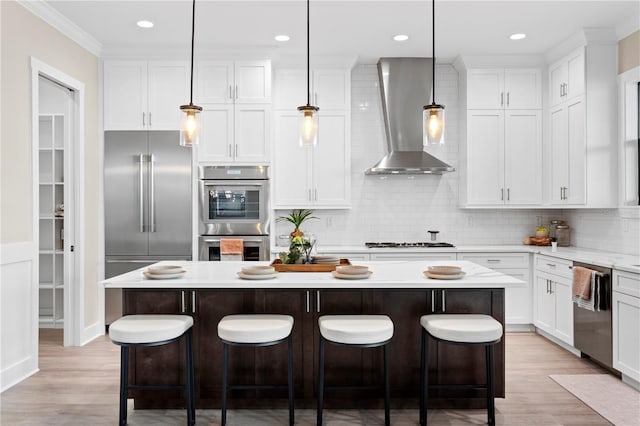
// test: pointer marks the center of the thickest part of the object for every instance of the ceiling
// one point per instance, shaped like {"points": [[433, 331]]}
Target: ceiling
{"points": [[361, 29]]}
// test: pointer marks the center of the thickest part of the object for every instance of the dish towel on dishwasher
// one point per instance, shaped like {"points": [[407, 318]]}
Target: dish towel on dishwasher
{"points": [[585, 288], [231, 249]]}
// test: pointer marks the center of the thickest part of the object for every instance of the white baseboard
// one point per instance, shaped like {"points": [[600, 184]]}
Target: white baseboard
{"points": [[631, 382], [559, 342], [16, 373], [519, 328], [92, 332], [18, 314]]}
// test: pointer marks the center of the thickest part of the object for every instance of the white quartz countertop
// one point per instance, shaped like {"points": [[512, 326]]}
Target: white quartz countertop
{"points": [[386, 274], [606, 259]]}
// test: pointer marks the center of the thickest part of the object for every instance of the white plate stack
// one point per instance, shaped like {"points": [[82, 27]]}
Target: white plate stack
{"points": [[164, 272], [258, 272], [326, 260], [444, 272], [352, 272]]}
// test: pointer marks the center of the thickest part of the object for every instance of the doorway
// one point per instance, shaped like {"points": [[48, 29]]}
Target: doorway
{"points": [[57, 114]]}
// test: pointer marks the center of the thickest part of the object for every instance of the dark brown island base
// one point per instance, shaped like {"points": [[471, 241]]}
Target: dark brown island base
{"points": [[344, 366]]}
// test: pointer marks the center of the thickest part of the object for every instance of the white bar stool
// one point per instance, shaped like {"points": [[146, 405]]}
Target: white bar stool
{"points": [[255, 330], [153, 330], [460, 329], [361, 331]]}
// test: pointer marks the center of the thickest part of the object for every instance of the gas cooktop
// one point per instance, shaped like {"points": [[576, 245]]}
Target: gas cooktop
{"points": [[428, 244]]}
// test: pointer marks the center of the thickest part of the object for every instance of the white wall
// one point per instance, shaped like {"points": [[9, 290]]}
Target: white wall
{"points": [[400, 208]]}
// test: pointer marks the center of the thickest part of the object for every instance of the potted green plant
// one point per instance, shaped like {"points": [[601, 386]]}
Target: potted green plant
{"points": [[297, 217]]}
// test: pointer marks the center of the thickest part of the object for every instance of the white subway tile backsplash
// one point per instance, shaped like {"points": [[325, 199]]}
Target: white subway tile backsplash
{"points": [[401, 208]]}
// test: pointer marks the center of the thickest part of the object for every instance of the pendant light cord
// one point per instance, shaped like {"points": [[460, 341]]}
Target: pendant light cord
{"points": [[308, 63], [193, 31], [433, 50]]}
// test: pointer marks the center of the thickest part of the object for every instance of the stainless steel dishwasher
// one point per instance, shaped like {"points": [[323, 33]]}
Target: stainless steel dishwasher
{"points": [[592, 330]]}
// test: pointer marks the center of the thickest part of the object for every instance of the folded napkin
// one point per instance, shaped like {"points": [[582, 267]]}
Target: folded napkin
{"points": [[231, 246]]}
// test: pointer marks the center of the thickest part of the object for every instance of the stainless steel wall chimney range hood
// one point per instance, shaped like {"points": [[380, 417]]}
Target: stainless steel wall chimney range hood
{"points": [[405, 87]]}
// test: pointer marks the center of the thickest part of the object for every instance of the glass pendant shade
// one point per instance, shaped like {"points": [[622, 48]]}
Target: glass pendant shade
{"points": [[190, 125], [433, 120], [308, 126]]}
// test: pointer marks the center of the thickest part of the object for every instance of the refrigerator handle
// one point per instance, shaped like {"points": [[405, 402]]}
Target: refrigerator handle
{"points": [[140, 196], [152, 190]]}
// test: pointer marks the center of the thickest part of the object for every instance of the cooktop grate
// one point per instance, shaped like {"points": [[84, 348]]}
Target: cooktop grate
{"points": [[427, 244]]}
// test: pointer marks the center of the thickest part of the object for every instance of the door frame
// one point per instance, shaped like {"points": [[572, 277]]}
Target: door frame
{"points": [[74, 290]]}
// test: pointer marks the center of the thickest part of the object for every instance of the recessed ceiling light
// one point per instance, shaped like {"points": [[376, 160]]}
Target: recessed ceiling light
{"points": [[282, 37], [401, 37], [518, 36], [145, 24]]}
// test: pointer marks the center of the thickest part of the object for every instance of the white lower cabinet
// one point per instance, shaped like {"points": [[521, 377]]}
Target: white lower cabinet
{"points": [[626, 324], [553, 308], [517, 297]]}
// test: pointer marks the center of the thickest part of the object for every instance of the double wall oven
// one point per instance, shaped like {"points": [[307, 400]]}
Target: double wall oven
{"points": [[234, 203]]}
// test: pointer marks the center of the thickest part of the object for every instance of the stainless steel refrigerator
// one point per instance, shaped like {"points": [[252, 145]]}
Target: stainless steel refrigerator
{"points": [[147, 188]]}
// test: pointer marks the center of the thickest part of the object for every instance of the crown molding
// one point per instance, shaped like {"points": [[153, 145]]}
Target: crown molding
{"points": [[51, 16]]}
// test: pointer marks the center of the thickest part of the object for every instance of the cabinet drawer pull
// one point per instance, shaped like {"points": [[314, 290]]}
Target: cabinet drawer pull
{"points": [[493, 260]]}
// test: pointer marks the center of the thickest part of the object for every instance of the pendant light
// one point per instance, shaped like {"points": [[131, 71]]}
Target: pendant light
{"points": [[190, 126], [309, 119], [433, 114]]}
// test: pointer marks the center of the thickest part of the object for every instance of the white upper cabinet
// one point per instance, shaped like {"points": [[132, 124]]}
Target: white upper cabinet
{"points": [[318, 177], [581, 162], [501, 144], [144, 95], [567, 78], [504, 152], [235, 97], [229, 82], [498, 88], [329, 89]]}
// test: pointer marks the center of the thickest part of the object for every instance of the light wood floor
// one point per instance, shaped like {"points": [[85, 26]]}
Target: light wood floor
{"points": [[79, 386]]}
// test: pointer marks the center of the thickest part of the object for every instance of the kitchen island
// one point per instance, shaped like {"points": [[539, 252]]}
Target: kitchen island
{"points": [[210, 290]]}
